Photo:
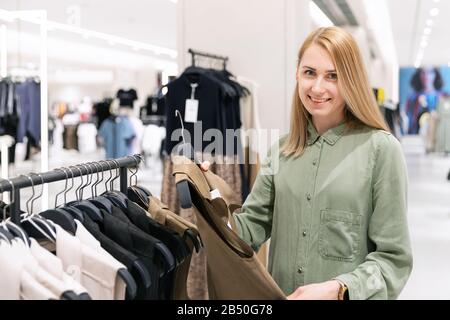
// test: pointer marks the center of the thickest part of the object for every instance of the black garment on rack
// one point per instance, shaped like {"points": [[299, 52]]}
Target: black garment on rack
{"points": [[209, 111], [118, 228], [9, 114], [133, 263], [102, 111], [155, 106], [173, 240], [127, 97]]}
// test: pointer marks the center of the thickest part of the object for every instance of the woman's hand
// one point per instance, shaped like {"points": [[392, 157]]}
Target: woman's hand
{"points": [[205, 165], [328, 290]]}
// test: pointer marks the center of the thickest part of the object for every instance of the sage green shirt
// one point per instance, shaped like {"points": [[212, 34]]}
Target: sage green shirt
{"points": [[336, 212]]}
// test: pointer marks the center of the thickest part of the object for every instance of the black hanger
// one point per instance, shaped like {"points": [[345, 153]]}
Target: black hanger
{"points": [[167, 257], [196, 240], [69, 295], [131, 286], [185, 149], [5, 234]]}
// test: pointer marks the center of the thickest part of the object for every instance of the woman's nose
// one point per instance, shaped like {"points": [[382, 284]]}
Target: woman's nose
{"points": [[317, 86]]}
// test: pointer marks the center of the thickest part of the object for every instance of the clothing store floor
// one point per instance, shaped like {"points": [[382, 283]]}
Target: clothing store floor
{"points": [[428, 209], [429, 222]]}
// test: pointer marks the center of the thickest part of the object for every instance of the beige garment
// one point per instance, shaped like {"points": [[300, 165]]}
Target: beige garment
{"points": [[197, 282], [89, 240], [161, 213], [234, 272], [93, 270]]}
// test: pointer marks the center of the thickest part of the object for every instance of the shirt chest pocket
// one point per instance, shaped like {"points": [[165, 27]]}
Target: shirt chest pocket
{"points": [[339, 235]]}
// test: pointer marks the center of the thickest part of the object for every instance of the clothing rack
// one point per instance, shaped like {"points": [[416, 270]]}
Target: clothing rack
{"points": [[14, 185], [207, 55]]}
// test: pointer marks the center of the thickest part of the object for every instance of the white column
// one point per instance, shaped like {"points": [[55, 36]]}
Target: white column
{"points": [[44, 106], [3, 51]]}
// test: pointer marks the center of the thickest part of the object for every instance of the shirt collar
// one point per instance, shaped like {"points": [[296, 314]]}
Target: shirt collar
{"points": [[331, 136]]}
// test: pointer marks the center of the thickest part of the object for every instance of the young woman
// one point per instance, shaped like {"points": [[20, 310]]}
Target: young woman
{"points": [[335, 202]]}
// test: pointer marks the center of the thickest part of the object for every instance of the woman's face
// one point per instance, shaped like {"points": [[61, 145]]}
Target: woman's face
{"points": [[318, 85]]}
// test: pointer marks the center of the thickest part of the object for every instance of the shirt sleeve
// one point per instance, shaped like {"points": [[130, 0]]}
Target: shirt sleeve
{"points": [[254, 222], [385, 270]]}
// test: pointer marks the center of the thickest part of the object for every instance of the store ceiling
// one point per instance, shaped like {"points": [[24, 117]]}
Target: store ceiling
{"points": [[152, 22], [409, 18]]}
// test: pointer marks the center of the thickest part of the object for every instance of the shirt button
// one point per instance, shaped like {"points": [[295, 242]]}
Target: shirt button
{"points": [[304, 233], [300, 270], [314, 162], [308, 197]]}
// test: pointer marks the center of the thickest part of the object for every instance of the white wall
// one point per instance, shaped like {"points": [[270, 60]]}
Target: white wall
{"points": [[260, 39], [374, 18]]}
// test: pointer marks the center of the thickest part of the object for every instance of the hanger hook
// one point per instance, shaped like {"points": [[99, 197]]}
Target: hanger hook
{"points": [[110, 175], [100, 163], [88, 180], [42, 189], [65, 187], [117, 172], [131, 170], [29, 212], [177, 113], [94, 186], [81, 184], [71, 186]]}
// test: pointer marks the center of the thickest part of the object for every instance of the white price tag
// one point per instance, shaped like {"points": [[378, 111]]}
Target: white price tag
{"points": [[191, 110]]}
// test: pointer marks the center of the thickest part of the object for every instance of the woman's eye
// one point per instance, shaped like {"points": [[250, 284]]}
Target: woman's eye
{"points": [[309, 72], [332, 76]]}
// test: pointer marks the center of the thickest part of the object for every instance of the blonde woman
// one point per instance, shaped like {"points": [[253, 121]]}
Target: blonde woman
{"points": [[335, 209]]}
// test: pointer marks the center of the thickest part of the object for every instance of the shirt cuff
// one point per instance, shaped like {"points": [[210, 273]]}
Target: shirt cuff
{"points": [[352, 286]]}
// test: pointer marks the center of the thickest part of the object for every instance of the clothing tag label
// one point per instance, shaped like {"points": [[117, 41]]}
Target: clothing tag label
{"points": [[191, 110], [215, 194]]}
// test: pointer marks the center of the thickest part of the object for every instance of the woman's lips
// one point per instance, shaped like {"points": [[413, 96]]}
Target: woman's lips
{"points": [[319, 101]]}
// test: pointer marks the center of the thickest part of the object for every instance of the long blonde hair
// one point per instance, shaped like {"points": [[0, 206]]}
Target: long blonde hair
{"points": [[361, 106]]}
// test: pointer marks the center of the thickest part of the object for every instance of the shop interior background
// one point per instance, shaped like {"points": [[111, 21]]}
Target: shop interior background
{"points": [[92, 49]]}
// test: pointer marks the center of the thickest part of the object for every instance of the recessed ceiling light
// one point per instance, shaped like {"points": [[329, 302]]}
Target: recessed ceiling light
{"points": [[427, 31], [434, 12], [424, 44], [430, 22], [437, 1]]}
